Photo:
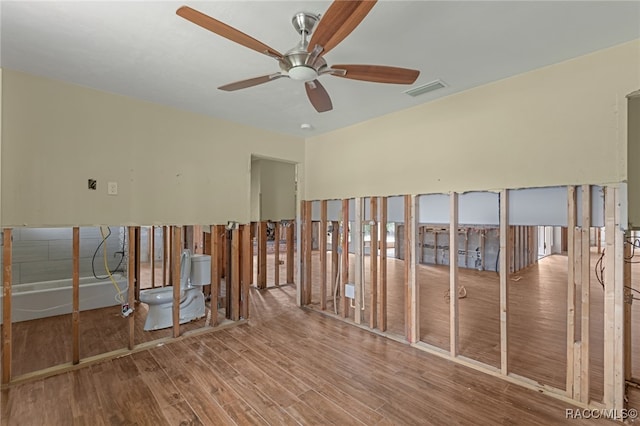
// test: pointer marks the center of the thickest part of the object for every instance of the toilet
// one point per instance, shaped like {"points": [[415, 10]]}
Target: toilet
{"points": [[195, 272]]}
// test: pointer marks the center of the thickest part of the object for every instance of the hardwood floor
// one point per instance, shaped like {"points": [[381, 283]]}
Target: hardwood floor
{"points": [[537, 316], [287, 366]]}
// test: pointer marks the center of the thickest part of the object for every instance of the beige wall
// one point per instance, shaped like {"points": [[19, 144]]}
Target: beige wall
{"points": [[561, 124], [171, 166], [634, 161], [255, 190]]}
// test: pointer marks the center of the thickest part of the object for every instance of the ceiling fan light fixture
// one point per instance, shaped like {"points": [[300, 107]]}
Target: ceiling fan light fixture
{"points": [[303, 73]]}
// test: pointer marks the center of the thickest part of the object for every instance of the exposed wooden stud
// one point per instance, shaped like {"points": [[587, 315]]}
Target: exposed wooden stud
{"points": [[152, 254], [131, 279], [75, 300], [214, 241], [276, 255], [505, 250], [165, 255], [322, 246], [482, 236], [517, 264], [614, 384], [344, 273], [246, 257], [511, 248], [408, 243], [335, 265], [435, 246], [414, 288], [373, 263], [628, 294], [228, 269], [252, 234], [170, 256], [585, 370], [175, 263], [6, 304], [138, 252], [576, 265], [420, 242], [382, 282], [235, 274], [357, 239], [571, 292], [453, 274], [466, 247], [290, 246], [262, 255], [307, 239], [599, 239]]}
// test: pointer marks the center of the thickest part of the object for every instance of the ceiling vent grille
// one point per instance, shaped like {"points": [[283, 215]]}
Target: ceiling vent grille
{"points": [[426, 88]]}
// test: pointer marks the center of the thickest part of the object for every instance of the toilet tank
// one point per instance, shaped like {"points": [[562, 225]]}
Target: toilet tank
{"points": [[200, 269]]}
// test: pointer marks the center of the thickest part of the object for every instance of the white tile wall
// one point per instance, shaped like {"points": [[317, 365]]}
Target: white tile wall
{"points": [[43, 254]]}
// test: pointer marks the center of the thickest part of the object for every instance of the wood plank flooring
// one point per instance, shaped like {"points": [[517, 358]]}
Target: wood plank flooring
{"points": [[537, 316], [287, 366]]}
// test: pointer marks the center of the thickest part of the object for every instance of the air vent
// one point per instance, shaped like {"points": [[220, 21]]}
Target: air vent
{"points": [[426, 88]]}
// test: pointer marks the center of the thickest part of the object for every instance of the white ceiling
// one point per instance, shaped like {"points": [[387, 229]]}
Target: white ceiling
{"points": [[144, 50]]}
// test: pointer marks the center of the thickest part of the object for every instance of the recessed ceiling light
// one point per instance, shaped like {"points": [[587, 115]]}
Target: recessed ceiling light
{"points": [[306, 126]]}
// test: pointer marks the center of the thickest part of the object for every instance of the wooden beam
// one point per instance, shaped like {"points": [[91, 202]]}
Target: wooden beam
{"points": [[335, 264], [482, 235], [307, 230], [170, 257], [628, 295], [614, 384], [175, 263], [322, 246], [131, 279], [235, 274], [214, 241], [453, 274], [165, 255], [571, 291], [262, 255], [356, 237], [408, 242], [227, 256], [252, 234], [435, 246], [373, 263], [276, 256], [6, 304], [247, 260], [505, 250], [75, 300], [290, 246], [585, 370], [344, 274], [382, 282], [152, 257], [138, 251], [414, 288]]}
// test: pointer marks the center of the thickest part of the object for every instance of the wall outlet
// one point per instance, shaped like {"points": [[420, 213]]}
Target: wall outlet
{"points": [[112, 188]]}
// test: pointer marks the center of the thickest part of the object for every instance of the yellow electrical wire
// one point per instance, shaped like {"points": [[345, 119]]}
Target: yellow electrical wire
{"points": [[120, 297]]}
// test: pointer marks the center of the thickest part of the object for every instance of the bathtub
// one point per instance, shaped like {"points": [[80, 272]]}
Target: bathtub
{"points": [[50, 298]]}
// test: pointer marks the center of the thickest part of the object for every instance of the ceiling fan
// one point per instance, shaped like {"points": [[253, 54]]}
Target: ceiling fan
{"points": [[305, 61]]}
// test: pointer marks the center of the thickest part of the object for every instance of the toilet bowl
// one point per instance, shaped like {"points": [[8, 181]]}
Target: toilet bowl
{"points": [[193, 275]]}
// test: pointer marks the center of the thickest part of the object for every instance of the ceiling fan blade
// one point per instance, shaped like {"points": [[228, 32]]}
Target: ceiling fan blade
{"points": [[378, 73], [250, 82], [318, 96], [226, 31], [342, 17]]}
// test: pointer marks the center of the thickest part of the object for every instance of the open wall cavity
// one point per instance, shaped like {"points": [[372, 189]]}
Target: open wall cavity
{"points": [[86, 294], [471, 282]]}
